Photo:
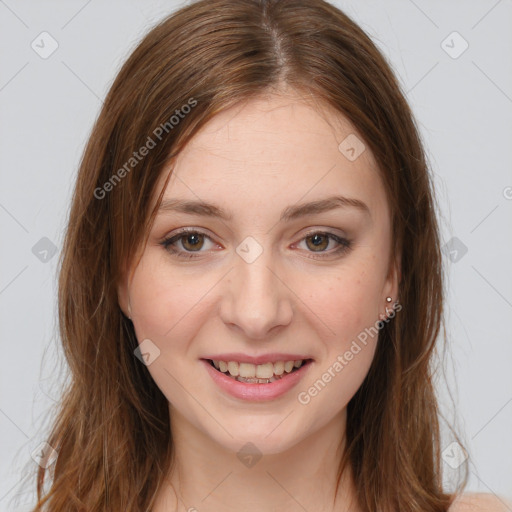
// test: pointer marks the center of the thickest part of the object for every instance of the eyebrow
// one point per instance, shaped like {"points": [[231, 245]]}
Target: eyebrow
{"points": [[290, 213]]}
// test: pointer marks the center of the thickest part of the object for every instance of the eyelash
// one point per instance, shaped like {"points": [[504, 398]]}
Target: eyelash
{"points": [[167, 243]]}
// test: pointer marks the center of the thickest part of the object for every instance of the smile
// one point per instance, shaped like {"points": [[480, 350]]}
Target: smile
{"points": [[256, 382], [257, 373]]}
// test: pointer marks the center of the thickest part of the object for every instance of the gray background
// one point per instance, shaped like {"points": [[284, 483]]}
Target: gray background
{"points": [[463, 104]]}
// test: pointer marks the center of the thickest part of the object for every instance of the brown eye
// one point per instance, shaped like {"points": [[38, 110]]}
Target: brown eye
{"points": [[318, 241], [192, 241], [186, 243]]}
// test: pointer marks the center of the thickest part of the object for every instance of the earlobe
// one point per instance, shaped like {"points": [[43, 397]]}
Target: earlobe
{"points": [[394, 278], [123, 288], [391, 300], [129, 308], [123, 299]]}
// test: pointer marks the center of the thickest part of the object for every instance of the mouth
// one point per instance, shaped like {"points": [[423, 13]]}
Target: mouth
{"points": [[258, 373]]}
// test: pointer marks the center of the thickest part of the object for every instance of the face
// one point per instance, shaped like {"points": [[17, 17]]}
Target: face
{"points": [[271, 280]]}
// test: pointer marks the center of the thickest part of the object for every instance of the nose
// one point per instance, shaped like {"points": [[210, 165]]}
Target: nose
{"points": [[255, 299]]}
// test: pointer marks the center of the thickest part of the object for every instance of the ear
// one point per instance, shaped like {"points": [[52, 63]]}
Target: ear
{"points": [[391, 287], [393, 279], [123, 295], [124, 300]]}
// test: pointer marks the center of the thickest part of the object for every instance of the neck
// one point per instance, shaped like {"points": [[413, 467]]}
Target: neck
{"points": [[207, 477]]}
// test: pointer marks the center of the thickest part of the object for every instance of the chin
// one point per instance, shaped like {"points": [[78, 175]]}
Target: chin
{"points": [[264, 435]]}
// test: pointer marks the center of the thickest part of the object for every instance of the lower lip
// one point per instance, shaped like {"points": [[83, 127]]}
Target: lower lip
{"points": [[256, 392]]}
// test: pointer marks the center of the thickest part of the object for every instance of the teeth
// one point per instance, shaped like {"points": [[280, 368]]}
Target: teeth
{"points": [[288, 366], [233, 368], [247, 370], [253, 381], [262, 373], [279, 368]]}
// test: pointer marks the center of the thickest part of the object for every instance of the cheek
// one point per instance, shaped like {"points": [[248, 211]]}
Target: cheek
{"points": [[163, 301], [347, 305], [347, 302], [166, 306]]}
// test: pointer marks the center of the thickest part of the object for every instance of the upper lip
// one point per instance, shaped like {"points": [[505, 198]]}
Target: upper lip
{"points": [[261, 359]]}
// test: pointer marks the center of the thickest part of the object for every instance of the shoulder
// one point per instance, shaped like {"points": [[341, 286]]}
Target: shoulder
{"points": [[481, 502]]}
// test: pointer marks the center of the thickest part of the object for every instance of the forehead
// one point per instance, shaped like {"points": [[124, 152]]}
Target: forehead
{"points": [[276, 149]]}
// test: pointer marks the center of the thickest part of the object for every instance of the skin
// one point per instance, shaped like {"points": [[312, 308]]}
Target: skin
{"points": [[255, 160], [480, 502]]}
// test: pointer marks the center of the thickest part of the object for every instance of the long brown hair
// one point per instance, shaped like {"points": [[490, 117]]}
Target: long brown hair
{"points": [[112, 430]]}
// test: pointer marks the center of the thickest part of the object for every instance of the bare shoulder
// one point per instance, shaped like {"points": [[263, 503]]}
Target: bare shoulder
{"points": [[481, 502]]}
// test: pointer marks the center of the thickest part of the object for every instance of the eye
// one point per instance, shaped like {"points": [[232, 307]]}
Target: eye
{"points": [[191, 240], [318, 241]]}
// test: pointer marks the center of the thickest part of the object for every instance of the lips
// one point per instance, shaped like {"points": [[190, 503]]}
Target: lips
{"points": [[261, 359], [257, 373], [257, 389]]}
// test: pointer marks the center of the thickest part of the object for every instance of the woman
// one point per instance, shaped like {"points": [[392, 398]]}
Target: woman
{"points": [[251, 286]]}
